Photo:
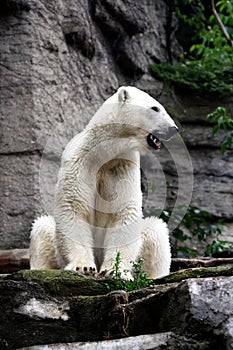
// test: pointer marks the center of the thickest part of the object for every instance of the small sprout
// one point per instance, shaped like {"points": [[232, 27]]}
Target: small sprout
{"points": [[139, 280]]}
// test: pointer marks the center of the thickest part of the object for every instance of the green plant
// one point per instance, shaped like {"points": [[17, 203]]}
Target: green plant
{"points": [[211, 28], [196, 75], [220, 119], [197, 225], [116, 274], [216, 247], [207, 65], [196, 221], [138, 281]]}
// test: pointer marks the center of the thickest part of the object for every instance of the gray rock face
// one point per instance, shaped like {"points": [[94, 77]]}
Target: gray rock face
{"points": [[211, 185], [59, 62], [212, 171]]}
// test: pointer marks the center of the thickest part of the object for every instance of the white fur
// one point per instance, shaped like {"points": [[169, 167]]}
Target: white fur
{"points": [[98, 197], [42, 247], [155, 249]]}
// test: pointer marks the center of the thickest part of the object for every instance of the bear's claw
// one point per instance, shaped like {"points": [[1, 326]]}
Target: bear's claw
{"points": [[86, 271]]}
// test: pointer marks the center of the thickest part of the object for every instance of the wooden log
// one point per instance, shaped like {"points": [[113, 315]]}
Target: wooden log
{"points": [[18, 259], [181, 264], [13, 260]]}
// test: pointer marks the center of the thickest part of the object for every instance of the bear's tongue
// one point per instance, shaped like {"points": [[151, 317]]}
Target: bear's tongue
{"points": [[153, 141]]}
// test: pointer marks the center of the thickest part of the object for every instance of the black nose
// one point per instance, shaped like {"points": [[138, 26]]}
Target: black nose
{"points": [[172, 131]]}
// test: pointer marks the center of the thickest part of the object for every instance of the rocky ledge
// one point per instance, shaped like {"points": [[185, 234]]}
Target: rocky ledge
{"points": [[189, 309]]}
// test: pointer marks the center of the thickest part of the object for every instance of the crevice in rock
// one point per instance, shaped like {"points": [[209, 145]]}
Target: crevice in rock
{"points": [[121, 15], [80, 41], [169, 28], [22, 153], [117, 29], [8, 7]]}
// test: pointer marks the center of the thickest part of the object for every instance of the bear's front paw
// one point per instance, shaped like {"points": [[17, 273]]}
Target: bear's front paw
{"points": [[90, 271], [81, 269]]}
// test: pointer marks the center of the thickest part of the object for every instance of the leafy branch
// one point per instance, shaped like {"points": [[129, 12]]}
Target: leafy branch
{"points": [[221, 120], [220, 23]]}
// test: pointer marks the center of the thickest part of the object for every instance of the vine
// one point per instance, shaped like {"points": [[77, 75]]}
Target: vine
{"points": [[207, 65], [197, 225]]}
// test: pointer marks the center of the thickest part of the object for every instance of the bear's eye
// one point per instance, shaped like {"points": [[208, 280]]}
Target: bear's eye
{"points": [[156, 109]]}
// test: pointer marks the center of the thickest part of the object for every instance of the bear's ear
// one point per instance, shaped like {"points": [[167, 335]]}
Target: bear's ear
{"points": [[123, 95]]}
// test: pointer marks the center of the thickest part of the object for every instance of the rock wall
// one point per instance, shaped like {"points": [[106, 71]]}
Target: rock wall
{"points": [[59, 61], [213, 172]]}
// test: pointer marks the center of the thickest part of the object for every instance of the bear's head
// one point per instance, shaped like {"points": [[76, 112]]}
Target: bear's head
{"points": [[147, 116], [135, 116]]}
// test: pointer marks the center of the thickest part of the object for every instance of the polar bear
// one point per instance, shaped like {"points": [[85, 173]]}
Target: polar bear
{"points": [[98, 198]]}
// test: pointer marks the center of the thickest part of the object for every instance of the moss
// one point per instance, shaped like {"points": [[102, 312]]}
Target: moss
{"points": [[63, 283], [69, 283], [198, 272]]}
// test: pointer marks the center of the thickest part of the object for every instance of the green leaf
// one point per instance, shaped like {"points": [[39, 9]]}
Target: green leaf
{"points": [[188, 252], [215, 129], [217, 246], [223, 148], [180, 235]]}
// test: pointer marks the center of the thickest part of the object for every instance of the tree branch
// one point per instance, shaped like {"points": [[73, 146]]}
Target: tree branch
{"points": [[221, 25]]}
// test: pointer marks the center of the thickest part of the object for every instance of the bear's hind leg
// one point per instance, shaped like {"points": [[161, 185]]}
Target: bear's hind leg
{"points": [[155, 248], [42, 249]]}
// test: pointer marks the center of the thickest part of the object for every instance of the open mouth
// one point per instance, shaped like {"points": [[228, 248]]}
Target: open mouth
{"points": [[153, 141]]}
